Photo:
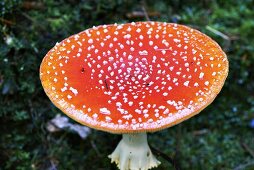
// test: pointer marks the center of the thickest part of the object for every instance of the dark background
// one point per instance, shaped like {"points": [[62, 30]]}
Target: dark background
{"points": [[221, 137]]}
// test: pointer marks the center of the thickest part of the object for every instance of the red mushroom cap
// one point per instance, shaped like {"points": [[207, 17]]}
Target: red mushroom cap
{"points": [[135, 77]]}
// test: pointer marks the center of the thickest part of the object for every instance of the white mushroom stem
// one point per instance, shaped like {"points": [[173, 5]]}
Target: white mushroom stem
{"points": [[133, 153]]}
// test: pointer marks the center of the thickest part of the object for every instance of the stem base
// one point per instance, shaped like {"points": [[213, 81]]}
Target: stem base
{"points": [[133, 153]]}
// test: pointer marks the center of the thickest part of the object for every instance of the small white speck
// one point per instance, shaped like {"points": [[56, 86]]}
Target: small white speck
{"points": [[146, 115], [145, 111], [74, 91], [130, 103], [127, 36], [121, 46], [176, 40], [165, 94], [200, 99], [90, 41], [175, 80], [196, 84], [63, 89], [118, 104], [105, 111], [201, 75], [186, 83], [108, 119], [130, 57], [194, 51], [138, 111], [95, 116], [166, 111], [143, 52]]}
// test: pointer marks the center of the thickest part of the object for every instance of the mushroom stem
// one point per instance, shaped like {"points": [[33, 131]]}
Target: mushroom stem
{"points": [[133, 153]]}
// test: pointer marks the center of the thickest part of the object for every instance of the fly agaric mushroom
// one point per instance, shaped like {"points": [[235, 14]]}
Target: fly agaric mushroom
{"points": [[132, 79]]}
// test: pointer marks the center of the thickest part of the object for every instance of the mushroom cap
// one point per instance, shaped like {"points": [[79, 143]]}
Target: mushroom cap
{"points": [[134, 77]]}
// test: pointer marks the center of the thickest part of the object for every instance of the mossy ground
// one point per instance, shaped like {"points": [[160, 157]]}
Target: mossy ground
{"points": [[221, 137]]}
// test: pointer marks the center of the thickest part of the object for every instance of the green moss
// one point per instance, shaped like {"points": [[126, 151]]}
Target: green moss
{"points": [[211, 140]]}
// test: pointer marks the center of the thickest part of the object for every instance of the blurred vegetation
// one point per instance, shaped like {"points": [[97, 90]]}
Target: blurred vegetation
{"points": [[221, 137]]}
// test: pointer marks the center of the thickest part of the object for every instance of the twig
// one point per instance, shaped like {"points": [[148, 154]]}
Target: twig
{"points": [[244, 166], [35, 22], [177, 148], [200, 132], [28, 17], [141, 14], [143, 4], [224, 36], [28, 5], [95, 148], [1, 79], [166, 157], [248, 149], [7, 21]]}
